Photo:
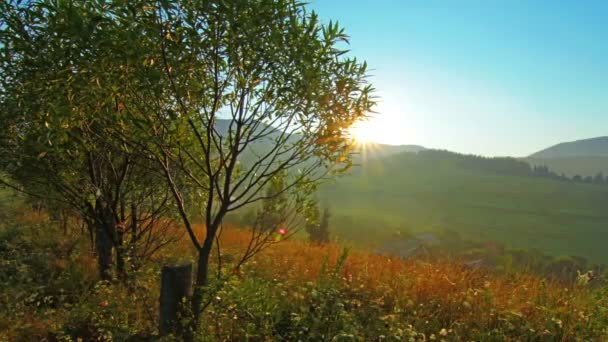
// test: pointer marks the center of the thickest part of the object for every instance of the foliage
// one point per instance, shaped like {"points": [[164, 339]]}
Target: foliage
{"points": [[59, 95], [318, 226], [571, 166], [93, 90], [295, 291]]}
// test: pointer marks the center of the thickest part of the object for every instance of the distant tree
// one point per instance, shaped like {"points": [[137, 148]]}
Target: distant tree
{"points": [[577, 178], [588, 179], [318, 227], [274, 213], [542, 171], [599, 178]]}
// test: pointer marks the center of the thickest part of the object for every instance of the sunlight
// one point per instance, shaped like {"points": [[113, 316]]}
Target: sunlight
{"points": [[376, 130], [363, 133]]}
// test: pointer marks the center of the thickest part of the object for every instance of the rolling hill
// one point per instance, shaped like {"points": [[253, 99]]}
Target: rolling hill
{"points": [[583, 157], [483, 199], [572, 166], [595, 147], [375, 151], [398, 190]]}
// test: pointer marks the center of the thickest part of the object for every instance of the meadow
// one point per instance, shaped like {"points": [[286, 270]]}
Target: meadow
{"points": [[292, 291], [392, 196], [571, 166]]}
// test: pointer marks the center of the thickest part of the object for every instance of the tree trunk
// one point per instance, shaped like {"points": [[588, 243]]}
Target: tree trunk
{"points": [[103, 248], [134, 238], [105, 229], [64, 218], [202, 273], [92, 237], [176, 284], [120, 259]]}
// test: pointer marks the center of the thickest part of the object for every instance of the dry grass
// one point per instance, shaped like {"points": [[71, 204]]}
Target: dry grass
{"points": [[445, 292], [430, 295]]}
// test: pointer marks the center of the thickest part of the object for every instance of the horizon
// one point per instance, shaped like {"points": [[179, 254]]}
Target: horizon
{"points": [[485, 78], [493, 156]]}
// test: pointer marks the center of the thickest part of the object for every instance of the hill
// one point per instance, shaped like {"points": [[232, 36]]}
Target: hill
{"points": [[496, 199], [582, 157], [595, 147], [572, 166], [372, 151], [264, 144]]}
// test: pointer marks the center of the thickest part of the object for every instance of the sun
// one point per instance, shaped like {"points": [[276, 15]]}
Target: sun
{"points": [[363, 133]]}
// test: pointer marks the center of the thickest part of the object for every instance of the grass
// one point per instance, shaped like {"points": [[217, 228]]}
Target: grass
{"points": [[571, 166], [436, 295], [406, 193], [291, 291]]}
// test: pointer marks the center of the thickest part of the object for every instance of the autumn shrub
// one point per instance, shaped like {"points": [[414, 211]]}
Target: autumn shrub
{"points": [[248, 308], [291, 291], [37, 278]]}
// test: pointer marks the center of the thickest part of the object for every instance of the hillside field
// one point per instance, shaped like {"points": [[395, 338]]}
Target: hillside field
{"points": [[572, 166], [392, 196], [291, 291]]}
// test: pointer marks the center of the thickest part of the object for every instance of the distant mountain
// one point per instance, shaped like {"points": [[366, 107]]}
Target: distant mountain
{"points": [[393, 149], [369, 150], [582, 157], [375, 150], [595, 147]]}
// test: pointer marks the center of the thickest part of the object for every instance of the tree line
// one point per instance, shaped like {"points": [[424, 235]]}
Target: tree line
{"points": [[506, 166], [544, 171]]}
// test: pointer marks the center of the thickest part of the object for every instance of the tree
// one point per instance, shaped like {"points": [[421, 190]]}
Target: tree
{"points": [[599, 178], [318, 227], [241, 98], [53, 63], [226, 98]]}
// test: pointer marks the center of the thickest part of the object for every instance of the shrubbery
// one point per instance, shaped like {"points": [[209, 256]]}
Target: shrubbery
{"points": [[295, 291]]}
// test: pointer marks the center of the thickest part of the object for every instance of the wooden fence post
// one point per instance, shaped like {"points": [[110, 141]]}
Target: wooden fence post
{"points": [[176, 284]]}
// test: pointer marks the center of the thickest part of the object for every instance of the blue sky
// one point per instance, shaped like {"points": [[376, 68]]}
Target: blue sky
{"points": [[489, 77]]}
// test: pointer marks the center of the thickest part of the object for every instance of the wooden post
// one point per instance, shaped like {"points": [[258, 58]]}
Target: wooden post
{"points": [[176, 284]]}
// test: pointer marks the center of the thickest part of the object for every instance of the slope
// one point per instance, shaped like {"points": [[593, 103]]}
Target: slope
{"points": [[594, 147], [582, 157], [571, 166], [483, 199]]}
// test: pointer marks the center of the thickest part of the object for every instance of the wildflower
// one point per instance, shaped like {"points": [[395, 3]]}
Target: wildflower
{"points": [[282, 231], [443, 332], [558, 322]]}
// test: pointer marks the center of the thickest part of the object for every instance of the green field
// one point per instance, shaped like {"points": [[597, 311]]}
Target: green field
{"points": [[411, 192], [571, 166]]}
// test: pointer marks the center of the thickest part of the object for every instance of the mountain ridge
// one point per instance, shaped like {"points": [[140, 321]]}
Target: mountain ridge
{"points": [[592, 147]]}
